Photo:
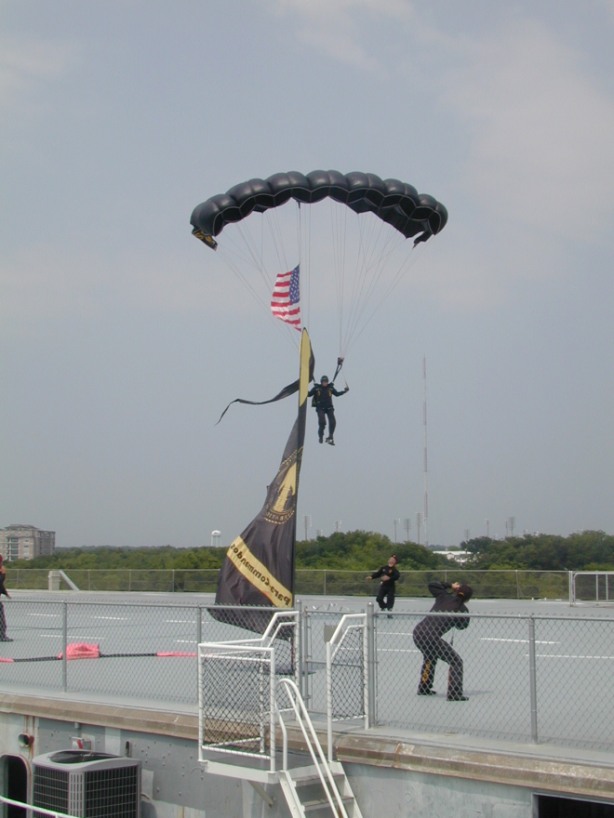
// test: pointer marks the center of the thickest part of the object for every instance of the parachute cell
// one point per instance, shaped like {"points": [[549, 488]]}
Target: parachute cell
{"points": [[394, 202]]}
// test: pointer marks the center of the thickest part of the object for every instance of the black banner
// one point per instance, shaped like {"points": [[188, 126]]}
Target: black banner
{"points": [[259, 565]]}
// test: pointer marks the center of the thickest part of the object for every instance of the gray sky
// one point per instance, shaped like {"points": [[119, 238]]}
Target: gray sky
{"points": [[123, 338]]}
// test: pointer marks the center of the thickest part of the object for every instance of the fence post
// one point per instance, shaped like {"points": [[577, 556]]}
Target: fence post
{"points": [[517, 584], [65, 648], [300, 654], [371, 667], [533, 679], [199, 639]]}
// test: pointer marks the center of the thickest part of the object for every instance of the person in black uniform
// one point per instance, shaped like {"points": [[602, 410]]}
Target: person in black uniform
{"points": [[322, 395], [428, 639], [389, 575], [3, 636]]}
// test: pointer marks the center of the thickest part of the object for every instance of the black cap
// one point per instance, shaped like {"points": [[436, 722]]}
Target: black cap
{"points": [[466, 591]]}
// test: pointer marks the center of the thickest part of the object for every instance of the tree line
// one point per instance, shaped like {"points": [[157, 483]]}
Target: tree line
{"points": [[582, 551], [360, 551]]}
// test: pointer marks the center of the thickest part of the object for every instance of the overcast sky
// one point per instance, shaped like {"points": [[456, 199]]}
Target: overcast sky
{"points": [[123, 338]]}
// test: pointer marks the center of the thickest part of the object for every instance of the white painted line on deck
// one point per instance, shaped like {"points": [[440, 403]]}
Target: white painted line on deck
{"points": [[570, 656], [517, 641], [59, 636]]}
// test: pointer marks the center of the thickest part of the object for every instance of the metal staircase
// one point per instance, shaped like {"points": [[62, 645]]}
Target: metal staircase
{"points": [[317, 789], [321, 788], [250, 714], [306, 795]]}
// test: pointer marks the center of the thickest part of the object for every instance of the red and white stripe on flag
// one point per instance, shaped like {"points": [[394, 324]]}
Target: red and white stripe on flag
{"points": [[285, 301]]}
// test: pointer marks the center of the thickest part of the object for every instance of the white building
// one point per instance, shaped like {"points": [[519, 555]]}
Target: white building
{"points": [[457, 556], [25, 542]]}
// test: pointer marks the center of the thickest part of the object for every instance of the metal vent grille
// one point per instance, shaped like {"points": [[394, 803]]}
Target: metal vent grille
{"points": [[89, 785], [51, 789]]}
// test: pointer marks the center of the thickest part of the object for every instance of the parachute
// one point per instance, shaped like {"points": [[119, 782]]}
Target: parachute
{"points": [[395, 202], [347, 233]]}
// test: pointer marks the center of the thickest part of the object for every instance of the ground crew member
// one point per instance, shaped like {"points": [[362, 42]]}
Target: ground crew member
{"points": [[389, 575], [428, 634]]}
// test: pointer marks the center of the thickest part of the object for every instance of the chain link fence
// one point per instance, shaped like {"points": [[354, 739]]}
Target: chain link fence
{"points": [[126, 652], [528, 677], [593, 587], [236, 698], [237, 684], [504, 584], [346, 668]]}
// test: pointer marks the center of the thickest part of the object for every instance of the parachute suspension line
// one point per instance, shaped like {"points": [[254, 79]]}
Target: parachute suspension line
{"points": [[364, 282], [238, 261], [374, 273], [387, 291], [243, 253], [303, 260], [381, 262], [350, 272], [284, 263], [338, 228], [373, 244]]}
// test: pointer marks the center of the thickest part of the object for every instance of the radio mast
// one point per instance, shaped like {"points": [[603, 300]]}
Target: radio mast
{"points": [[426, 470]]}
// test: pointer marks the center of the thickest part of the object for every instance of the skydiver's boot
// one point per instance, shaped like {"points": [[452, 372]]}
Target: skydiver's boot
{"points": [[321, 438], [455, 682], [330, 440]]}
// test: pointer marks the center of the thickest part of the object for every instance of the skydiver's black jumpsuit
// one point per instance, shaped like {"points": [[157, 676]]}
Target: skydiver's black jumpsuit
{"points": [[428, 639], [385, 594], [322, 395]]}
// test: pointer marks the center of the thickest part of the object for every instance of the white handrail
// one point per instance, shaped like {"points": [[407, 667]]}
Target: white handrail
{"points": [[312, 742], [347, 622], [49, 813]]}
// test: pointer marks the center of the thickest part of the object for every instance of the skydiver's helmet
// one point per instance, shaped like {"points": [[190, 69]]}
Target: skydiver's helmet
{"points": [[324, 379]]}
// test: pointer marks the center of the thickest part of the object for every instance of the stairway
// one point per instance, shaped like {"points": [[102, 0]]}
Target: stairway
{"points": [[270, 738], [310, 796]]}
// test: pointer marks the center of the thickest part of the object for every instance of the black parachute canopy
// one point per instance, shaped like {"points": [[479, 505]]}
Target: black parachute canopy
{"points": [[395, 202]]}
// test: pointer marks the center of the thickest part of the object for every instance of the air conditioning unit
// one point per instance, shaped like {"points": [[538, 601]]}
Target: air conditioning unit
{"points": [[87, 784]]}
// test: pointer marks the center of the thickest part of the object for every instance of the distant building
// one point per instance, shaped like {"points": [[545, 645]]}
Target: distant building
{"points": [[456, 556], [25, 542]]}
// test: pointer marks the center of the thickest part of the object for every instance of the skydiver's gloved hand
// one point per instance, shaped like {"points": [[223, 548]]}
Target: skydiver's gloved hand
{"points": [[347, 389]]}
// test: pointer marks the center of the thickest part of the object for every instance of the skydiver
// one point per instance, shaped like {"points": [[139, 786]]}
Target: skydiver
{"points": [[322, 399]]}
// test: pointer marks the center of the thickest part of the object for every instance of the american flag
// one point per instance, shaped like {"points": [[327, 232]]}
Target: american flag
{"points": [[285, 301]]}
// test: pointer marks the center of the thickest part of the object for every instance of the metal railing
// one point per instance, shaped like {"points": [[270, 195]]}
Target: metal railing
{"points": [[237, 686], [501, 584], [22, 808], [346, 673], [321, 762], [530, 677], [595, 587]]}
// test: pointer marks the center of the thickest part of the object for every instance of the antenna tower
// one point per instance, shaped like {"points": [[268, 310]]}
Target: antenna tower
{"points": [[426, 471]]}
